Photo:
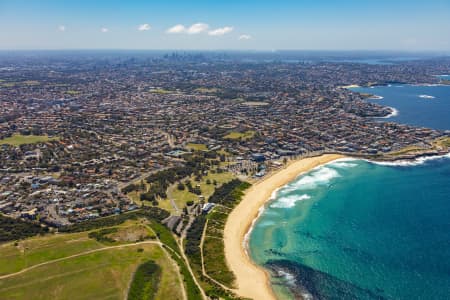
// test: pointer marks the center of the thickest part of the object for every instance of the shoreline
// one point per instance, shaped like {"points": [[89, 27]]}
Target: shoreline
{"points": [[394, 113], [252, 280]]}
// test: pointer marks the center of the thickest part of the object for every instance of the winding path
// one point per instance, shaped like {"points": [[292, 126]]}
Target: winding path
{"points": [[77, 255]]}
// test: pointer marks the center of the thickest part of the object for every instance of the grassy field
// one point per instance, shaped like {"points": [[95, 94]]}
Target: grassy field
{"points": [[36, 250], [235, 135], [182, 197], [25, 253], [255, 103], [21, 83], [207, 90], [18, 139], [197, 147], [123, 234], [161, 91], [72, 92], [103, 274]]}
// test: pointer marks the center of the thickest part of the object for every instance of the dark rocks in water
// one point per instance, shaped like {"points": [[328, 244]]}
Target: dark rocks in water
{"points": [[317, 284], [273, 252]]}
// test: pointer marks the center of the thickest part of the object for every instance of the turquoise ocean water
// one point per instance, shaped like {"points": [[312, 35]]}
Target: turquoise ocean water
{"points": [[362, 230]]}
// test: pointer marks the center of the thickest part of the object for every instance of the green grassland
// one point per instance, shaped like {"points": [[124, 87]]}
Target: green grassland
{"points": [[182, 197], [123, 234], [100, 275], [72, 92], [20, 83], [207, 90], [17, 256], [197, 147], [18, 139], [235, 135], [161, 91], [99, 271], [25, 253]]}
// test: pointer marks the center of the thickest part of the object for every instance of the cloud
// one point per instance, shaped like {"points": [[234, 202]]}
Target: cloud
{"points": [[104, 29], [244, 37], [221, 31], [177, 29], [197, 28], [144, 27], [193, 29], [62, 28]]}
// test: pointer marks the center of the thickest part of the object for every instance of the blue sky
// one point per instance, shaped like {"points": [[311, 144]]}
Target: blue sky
{"points": [[245, 24]]}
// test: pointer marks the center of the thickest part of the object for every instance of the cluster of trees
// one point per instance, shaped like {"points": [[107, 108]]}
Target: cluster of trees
{"points": [[152, 213], [145, 282], [15, 229], [195, 190], [193, 239], [102, 235], [229, 192]]}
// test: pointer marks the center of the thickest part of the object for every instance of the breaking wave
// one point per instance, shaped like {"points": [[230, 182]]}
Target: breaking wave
{"points": [[321, 176], [343, 165], [408, 163], [289, 201]]}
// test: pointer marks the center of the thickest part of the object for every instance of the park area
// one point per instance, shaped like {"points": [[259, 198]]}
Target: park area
{"points": [[59, 266], [18, 139]]}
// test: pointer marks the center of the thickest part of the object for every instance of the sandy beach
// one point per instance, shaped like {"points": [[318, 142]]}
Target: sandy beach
{"points": [[253, 281]]}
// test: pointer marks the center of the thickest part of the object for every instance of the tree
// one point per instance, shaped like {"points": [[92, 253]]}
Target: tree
{"points": [[181, 186]]}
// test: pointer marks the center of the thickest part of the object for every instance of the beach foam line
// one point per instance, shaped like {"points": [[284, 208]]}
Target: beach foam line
{"points": [[409, 163], [428, 84]]}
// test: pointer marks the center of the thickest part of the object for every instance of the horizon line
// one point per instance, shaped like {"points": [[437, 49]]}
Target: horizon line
{"points": [[231, 50]]}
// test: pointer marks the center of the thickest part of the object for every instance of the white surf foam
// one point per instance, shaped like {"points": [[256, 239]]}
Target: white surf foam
{"points": [[394, 113], [409, 163], [343, 165], [426, 97], [289, 201], [319, 176], [288, 277]]}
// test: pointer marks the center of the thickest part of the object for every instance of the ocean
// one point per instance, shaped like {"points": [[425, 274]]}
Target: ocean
{"points": [[355, 229], [423, 106]]}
